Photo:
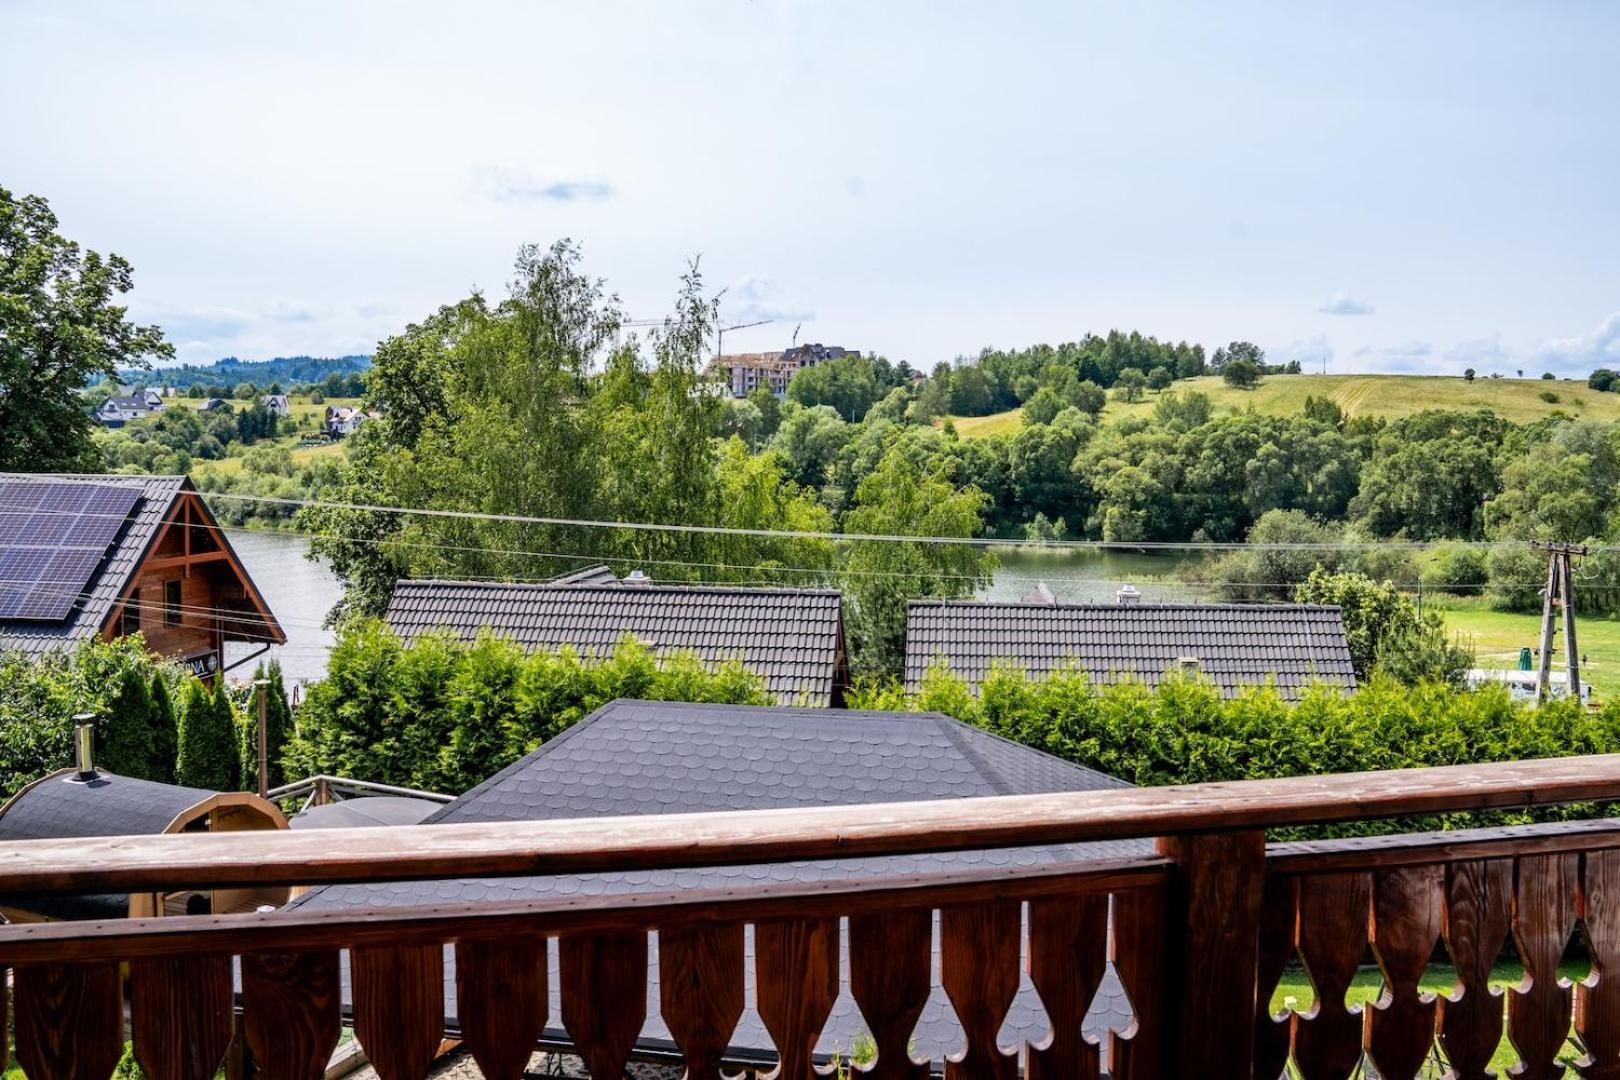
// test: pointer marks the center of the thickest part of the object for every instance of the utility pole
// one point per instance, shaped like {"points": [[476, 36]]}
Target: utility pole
{"points": [[1560, 589]]}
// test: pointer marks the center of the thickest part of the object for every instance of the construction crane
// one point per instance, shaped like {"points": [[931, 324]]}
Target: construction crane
{"points": [[720, 335]]}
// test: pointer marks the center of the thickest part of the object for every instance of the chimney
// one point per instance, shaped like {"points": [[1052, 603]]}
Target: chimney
{"points": [[1129, 594], [636, 577], [84, 746], [1041, 595], [1187, 664]]}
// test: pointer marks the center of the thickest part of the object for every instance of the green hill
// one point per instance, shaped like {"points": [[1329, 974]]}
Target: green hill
{"points": [[1518, 400]]}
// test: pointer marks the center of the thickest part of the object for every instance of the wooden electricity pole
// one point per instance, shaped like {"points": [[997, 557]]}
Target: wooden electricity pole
{"points": [[1560, 587]]}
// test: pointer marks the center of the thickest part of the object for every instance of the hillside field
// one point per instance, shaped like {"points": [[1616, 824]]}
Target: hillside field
{"points": [[1390, 396]]}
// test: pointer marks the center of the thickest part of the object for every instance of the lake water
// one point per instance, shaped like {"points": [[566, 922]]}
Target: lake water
{"points": [[300, 591]]}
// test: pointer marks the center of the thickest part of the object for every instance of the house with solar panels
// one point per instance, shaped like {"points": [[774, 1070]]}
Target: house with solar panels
{"points": [[86, 556]]}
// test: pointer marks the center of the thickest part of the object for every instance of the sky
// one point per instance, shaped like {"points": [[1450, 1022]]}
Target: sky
{"points": [[1370, 186]]}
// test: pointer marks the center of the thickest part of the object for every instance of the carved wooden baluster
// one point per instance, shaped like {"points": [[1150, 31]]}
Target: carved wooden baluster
{"points": [[69, 1020], [1279, 909], [292, 1011], [979, 970], [890, 967], [1405, 929], [1068, 953], [501, 1001], [398, 1006], [700, 989], [796, 981], [1137, 950], [1474, 923], [1333, 912], [604, 997], [1597, 999], [181, 1015], [1539, 1008]]}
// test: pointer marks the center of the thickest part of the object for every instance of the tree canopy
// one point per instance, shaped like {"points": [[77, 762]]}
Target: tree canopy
{"points": [[61, 328]]}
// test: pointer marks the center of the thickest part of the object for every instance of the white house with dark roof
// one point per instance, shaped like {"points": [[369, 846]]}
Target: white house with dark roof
{"points": [[791, 638], [645, 757], [119, 410], [1234, 646]]}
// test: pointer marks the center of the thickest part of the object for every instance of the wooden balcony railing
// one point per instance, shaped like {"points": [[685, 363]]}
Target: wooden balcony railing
{"points": [[1198, 934]]}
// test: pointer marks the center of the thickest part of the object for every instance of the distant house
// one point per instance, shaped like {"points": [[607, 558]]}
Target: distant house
{"points": [[792, 638], [106, 556], [214, 404], [344, 420], [1235, 646], [115, 412], [278, 404], [743, 373], [643, 757]]}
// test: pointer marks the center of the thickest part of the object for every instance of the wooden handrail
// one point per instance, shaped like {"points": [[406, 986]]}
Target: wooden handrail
{"points": [[299, 929], [108, 864]]}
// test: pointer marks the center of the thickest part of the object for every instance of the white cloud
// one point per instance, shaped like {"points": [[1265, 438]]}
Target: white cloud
{"points": [[1342, 303], [515, 185], [1579, 355], [754, 299], [1313, 353]]}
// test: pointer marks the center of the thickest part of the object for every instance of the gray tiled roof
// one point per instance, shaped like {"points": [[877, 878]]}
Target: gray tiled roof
{"points": [[637, 757], [158, 495], [60, 806], [790, 637], [1236, 645]]}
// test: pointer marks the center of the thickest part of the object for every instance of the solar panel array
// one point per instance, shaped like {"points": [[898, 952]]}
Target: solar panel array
{"points": [[54, 537]]}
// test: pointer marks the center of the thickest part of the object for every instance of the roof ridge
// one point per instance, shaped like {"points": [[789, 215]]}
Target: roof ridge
{"points": [[942, 602], [620, 587]]}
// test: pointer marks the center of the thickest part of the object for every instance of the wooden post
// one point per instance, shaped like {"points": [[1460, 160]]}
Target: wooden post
{"points": [[1213, 953], [1544, 662], [1573, 658], [262, 688]]}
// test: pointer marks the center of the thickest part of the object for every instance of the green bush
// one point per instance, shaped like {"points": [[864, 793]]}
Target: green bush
{"points": [[40, 696], [444, 714], [1454, 568], [278, 727], [208, 749], [1182, 731]]}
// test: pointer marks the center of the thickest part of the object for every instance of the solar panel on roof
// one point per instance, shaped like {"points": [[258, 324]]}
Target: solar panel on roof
{"points": [[53, 538]]}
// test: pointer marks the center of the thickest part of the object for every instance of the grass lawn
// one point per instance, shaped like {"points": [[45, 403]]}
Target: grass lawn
{"points": [[1518, 400], [1294, 993], [1497, 637], [306, 418]]}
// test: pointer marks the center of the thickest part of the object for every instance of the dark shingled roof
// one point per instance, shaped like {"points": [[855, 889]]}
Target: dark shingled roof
{"points": [[792, 638], [61, 806], [638, 757], [157, 496], [1236, 645]]}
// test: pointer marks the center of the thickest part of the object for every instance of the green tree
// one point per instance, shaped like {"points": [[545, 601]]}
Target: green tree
{"points": [[1468, 374], [1043, 405], [1241, 373], [1130, 384], [207, 756], [1323, 410], [1088, 397], [770, 410], [1386, 632], [127, 732], [905, 496], [61, 327], [847, 384], [278, 728], [165, 730], [809, 441], [1159, 379]]}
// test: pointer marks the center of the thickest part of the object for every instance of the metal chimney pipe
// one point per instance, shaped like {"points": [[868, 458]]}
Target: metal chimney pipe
{"points": [[84, 745]]}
